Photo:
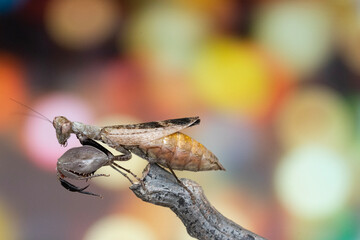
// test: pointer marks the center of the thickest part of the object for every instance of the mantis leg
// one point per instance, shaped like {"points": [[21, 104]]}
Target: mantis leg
{"points": [[124, 157], [181, 183], [126, 153], [88, 141], [93, 176], [124, 174], [127, 170], [118, 167]]}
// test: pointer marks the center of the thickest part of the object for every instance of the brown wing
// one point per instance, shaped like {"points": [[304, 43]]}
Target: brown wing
{"points": [[136, 134]]}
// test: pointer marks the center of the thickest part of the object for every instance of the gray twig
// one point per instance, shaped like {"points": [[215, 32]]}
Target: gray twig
{"points": [[200, 218]]}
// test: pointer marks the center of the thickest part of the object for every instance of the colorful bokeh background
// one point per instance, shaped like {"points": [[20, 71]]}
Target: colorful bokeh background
{"points": [[276, 84]]}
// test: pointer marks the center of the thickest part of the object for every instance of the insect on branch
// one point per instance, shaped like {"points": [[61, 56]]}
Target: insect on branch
{"points": [[159, 143]]}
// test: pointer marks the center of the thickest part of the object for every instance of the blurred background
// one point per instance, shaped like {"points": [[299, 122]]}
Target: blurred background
{"points": [[276, 84]]}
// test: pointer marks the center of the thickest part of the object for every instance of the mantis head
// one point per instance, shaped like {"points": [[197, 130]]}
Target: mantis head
{"points": [[63, 129]]}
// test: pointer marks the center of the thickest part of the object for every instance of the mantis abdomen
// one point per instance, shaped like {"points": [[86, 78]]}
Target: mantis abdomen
{"points": [[179, 152]]}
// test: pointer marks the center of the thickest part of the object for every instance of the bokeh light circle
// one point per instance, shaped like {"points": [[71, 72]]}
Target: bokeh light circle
{"points": [[313, 182], [231, 75], [39, 138], [116, 227], [314, 114], [12, 77], [80, 24], [299, 32], [167, 35]]}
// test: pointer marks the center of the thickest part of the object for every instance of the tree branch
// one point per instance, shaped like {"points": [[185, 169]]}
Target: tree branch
{"points": [[200, 218]]}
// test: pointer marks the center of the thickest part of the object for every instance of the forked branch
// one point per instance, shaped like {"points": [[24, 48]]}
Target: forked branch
{"points": [[200, 218]]}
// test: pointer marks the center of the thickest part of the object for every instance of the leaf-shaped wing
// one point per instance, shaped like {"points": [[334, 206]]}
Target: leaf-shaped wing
{"points": [[136, 134]]}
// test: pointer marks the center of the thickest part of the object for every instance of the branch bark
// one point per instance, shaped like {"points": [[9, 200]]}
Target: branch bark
{"points": [[200, 218]]}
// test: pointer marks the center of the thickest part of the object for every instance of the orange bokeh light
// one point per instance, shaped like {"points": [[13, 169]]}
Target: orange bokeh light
{"points": [[81, 24], [12, 87]]}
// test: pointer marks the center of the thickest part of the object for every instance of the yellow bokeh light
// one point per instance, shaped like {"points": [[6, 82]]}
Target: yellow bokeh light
{"points": [[80, 24], [230, 74], [313, 182]]}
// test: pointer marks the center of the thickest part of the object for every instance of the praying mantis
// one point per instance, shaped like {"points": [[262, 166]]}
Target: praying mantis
{"points": [[158, 142]]}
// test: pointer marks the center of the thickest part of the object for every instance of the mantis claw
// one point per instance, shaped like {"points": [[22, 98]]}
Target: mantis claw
{"points": [[72, 188]]}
